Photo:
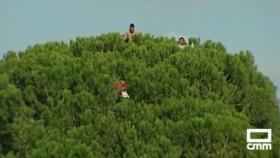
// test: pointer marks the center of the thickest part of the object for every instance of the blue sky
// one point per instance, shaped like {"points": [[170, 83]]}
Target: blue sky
{"points": [[239, 24]]}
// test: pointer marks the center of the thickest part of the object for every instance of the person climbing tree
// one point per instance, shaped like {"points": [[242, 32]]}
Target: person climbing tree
{"points": [[121, 87], [128, 36], [182, 43]]}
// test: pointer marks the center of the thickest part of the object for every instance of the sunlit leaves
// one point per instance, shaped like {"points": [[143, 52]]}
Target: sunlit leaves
{"points": [[57, 100]]}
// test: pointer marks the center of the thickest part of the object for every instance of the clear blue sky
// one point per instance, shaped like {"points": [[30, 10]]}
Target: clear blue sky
{"points": [[238, 24]]}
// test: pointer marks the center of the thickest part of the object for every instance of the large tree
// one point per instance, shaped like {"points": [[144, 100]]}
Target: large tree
{"points": [[57, 100]]}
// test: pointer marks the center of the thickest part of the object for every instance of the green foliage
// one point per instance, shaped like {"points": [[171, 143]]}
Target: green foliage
{"points": [[57, 100]]}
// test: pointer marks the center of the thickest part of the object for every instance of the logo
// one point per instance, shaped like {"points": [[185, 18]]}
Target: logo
{"points": [[259, 144]]}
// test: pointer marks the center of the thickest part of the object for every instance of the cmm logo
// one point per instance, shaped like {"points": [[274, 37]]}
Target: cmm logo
{"points": [[259, 144]]}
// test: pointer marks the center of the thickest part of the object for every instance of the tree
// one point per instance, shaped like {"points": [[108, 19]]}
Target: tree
{"points": [[57, 100]]}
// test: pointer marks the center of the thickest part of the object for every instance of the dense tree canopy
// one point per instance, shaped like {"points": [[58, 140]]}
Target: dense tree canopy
{"points": [[57, 100]]}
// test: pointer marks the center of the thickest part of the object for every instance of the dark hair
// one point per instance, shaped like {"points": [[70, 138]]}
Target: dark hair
{"points": [[131, 25], [182, 38]]}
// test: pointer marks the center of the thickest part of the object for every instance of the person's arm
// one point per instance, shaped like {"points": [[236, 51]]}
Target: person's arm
{"points": [[125, 37]]}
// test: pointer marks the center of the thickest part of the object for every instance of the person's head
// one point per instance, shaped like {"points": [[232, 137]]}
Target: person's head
{"points": [[131, 28], [181, 41]]}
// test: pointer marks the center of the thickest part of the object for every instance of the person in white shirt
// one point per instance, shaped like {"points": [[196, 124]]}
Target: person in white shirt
{"points": [[182, 43], [128, 36]]}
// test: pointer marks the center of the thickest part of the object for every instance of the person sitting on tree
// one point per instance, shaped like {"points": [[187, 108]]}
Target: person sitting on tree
{"points": [[122, 87], [182, 43], [128, 36]]}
